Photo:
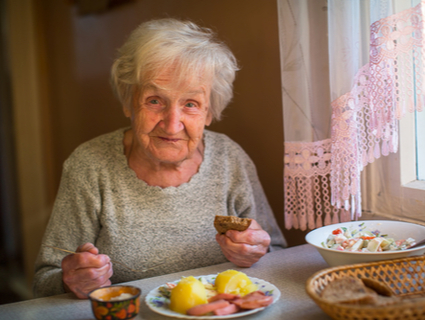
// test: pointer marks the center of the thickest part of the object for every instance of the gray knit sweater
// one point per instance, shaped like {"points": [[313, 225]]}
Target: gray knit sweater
{"points": [[100, 200]]}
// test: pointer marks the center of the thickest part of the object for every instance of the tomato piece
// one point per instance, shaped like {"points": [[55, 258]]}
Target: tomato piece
{"points": [[368, 238], [337, 231]]}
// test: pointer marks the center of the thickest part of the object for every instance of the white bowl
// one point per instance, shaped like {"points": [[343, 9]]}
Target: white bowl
{"points": [[394, 229]]}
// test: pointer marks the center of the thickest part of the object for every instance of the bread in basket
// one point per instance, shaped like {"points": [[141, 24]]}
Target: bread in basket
{"points": [[405, 277]]}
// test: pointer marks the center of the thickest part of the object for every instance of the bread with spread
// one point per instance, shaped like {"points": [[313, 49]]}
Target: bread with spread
{"points": [[224, 223]]}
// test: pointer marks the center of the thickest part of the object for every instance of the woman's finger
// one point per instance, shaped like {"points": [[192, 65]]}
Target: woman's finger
{"points": [[84, 260], [88, 247], [255, 225], [82, 281], [249, 236], [241, 254]]}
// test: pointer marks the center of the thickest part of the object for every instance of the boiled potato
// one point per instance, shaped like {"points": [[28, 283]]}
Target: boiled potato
{"points": [[188, 293], [235, 282]]}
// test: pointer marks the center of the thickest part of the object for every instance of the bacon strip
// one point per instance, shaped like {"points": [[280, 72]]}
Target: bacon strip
{"points": [[202, 309]]}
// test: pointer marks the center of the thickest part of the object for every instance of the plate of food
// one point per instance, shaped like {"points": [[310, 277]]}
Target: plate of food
{"points": [[229, 294]]}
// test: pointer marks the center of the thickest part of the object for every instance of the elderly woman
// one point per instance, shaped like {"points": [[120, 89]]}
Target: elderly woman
{"points": [[147, 195]]}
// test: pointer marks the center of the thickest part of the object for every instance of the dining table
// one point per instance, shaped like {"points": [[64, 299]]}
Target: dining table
{"points": [[287, 269]]}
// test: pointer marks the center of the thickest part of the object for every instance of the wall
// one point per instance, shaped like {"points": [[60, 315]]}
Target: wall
{"points": [[75, 53]]}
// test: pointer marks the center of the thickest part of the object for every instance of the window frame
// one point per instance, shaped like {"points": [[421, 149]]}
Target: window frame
{"points": [[420, 144], [412, 189], [390, 189]]}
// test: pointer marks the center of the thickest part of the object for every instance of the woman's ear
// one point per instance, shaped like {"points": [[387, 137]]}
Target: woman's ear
{"points": [[130, 104], [209, 119], [127, 111]]}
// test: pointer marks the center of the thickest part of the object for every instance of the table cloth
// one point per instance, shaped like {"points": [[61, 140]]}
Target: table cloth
{"points": [[287, 269]]}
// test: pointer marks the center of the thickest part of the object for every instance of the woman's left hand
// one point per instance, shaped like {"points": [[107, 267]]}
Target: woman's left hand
{"points": [[244, 248]]}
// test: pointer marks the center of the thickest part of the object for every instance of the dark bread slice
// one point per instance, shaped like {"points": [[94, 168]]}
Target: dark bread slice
{"points": [[365, 291], [224, 223], [349, 290], [378, 286]]}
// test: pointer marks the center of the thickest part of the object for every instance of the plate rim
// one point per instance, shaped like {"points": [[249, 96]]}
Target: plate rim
{"points": [[169, 313]]}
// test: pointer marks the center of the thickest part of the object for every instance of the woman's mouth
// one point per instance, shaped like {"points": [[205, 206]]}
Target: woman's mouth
{"points": [[169, 139]]}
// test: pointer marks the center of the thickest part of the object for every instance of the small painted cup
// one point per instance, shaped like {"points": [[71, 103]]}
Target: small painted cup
{"points": [[115, 302]]}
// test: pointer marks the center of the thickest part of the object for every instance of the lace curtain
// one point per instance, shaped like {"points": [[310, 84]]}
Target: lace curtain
{"points": [[350, 70]]}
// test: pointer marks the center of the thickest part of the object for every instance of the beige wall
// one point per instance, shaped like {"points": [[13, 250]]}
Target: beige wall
{"points": [[74, 54]]}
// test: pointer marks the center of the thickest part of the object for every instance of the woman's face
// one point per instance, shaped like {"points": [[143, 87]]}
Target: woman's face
{"points": [[168, 120]]}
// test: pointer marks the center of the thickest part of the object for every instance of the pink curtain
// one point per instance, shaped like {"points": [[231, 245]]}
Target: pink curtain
{"points": [[342, 99]]}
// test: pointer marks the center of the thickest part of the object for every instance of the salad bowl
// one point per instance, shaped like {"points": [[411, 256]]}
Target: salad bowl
{"points": [[397, 230]]}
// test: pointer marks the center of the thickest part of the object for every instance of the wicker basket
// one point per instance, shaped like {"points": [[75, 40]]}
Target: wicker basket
{"points": [[405, 277]]}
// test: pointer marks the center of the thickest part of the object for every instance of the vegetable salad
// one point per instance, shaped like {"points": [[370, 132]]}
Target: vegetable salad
{"points": [[364, 240]]}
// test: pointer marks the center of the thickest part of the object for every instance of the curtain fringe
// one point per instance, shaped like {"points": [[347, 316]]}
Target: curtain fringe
{"points": [[307, 186], [365, 120], [322, 178]]}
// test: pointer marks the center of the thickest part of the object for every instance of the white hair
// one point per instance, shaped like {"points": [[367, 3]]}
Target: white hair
{"points": [[191, 50]]}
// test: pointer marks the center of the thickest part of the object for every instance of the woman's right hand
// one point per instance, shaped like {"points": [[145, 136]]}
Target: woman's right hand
{"points": [[86, 270]]}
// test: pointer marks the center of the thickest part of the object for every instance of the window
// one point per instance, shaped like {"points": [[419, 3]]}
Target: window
{"points": [[420, 145], [394, 186], [405, 193]]}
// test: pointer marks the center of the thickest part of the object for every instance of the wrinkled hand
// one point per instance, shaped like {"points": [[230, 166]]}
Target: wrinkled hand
{"points": [[244, 248], [86, 270]]}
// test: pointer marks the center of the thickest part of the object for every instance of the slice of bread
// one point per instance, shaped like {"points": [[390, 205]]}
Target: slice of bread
{"points": [[365, 291], [349, 290], [224, 223], [377, 286]]}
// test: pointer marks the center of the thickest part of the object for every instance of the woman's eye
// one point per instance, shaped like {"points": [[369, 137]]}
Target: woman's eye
{"points": [[154, 101], [190, 105]]}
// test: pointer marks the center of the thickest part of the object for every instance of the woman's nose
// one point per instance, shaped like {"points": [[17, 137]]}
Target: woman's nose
{"points": [[172, 121]]}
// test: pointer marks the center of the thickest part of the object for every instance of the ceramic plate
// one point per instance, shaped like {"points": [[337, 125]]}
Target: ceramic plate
{"points": [[159, 304]]}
